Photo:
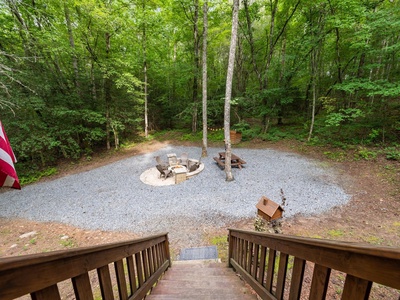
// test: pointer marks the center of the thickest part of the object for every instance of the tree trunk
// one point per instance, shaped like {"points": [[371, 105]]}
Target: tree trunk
{"points": [[196, 65], [72, 44], [228, 92], [315, 60], [205, 32], [250, 39], [146, 121], [271, 47], [107, 94], [314, 92]]}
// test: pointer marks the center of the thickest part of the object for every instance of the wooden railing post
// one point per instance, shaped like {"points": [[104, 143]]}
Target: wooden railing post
{"points": [[230, 248], [166, 249]]}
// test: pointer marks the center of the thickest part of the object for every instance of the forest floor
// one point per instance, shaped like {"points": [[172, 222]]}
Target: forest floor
{"points": [[371, 216]]}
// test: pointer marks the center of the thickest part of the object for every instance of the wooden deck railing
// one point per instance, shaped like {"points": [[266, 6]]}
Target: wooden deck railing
{"points": [[274, 265], [138, 264]]}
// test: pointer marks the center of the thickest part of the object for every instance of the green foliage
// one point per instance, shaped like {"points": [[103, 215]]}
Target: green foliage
{"points": [[33, 176], [335, 233], [216, 136], [242, 126], [366, 154], [67, 96], [222, 246], [192, 136], [247, 131], [335, 155], [344, 115], [276, 134], [392, 153], [68, 243]]}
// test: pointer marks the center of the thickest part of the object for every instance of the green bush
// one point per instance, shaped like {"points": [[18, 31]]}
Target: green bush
{"points": [[36, 175], [364, 153], [392, 153]]}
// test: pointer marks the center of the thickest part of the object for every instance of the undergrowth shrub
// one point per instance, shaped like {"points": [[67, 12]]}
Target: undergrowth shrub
{"points": [[392, 153]]}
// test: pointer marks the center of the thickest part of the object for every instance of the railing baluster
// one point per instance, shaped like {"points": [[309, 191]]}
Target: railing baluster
{"points": [[160, 253], [132, 274], [297, 278], [249, 257], [155, 258], [255, 263], [261, 269], [146, 268], [245, 253], [319, 284], [356, 288], [159, 262], [270, 269], [82, 287], [166, 249], [282, 269], [237, 252], [151, 262], [105, 283], [50, 292], [139, 267], [237, 248], [240, 258], [121, 280]]}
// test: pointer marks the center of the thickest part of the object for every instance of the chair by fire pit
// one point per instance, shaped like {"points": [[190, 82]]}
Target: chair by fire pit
{"points": [[164, 172]]}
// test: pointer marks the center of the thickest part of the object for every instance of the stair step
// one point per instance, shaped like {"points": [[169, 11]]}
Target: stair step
{"points": [[201, 297], [188, 276], [200, 272], [221, 283], [200, 280]]}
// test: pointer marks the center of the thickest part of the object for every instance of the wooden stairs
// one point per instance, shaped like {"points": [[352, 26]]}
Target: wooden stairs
{"points": [[200, 279]]}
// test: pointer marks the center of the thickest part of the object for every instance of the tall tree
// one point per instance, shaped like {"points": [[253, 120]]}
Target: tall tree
{"points": [[228, 91], [144, 49], [196, 48], [317, 26], [205, 33]]}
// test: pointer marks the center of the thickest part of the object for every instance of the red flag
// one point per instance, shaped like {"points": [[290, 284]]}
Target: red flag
{"points": [[8, 175]]}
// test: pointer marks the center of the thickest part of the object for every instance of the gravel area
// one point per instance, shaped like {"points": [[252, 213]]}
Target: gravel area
{"points": [[113, 197]]}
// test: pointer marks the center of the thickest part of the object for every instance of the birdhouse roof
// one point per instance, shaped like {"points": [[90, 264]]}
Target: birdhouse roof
{"points": [[268, 206]]}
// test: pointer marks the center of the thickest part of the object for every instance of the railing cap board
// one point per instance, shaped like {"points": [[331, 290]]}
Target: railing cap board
{"points": [[386, 252], [31, 259]]}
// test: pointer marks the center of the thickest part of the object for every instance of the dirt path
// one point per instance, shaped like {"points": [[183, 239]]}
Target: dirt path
{"points": [[372, 216]]}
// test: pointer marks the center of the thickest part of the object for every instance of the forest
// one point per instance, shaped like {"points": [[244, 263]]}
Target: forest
{"points": [[81, 75]]}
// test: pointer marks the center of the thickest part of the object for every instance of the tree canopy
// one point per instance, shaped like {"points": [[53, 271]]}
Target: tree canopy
{"points": [[83, 74]]}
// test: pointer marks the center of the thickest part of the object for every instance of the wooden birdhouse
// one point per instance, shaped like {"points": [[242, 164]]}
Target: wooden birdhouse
{"points": [[268, 209]]}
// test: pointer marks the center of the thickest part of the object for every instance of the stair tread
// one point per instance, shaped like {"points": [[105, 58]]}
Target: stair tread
{"points": [[189, 272], [200, 280], [180, 276], [201, 297], [218, 284], [187, 291]]}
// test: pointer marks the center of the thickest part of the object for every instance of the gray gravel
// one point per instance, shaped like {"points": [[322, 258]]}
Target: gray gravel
{"points": [[112, 197]]}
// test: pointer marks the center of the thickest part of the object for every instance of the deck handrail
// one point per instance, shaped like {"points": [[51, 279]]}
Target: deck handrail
{"points": [[254, 255], [143, 260]]}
